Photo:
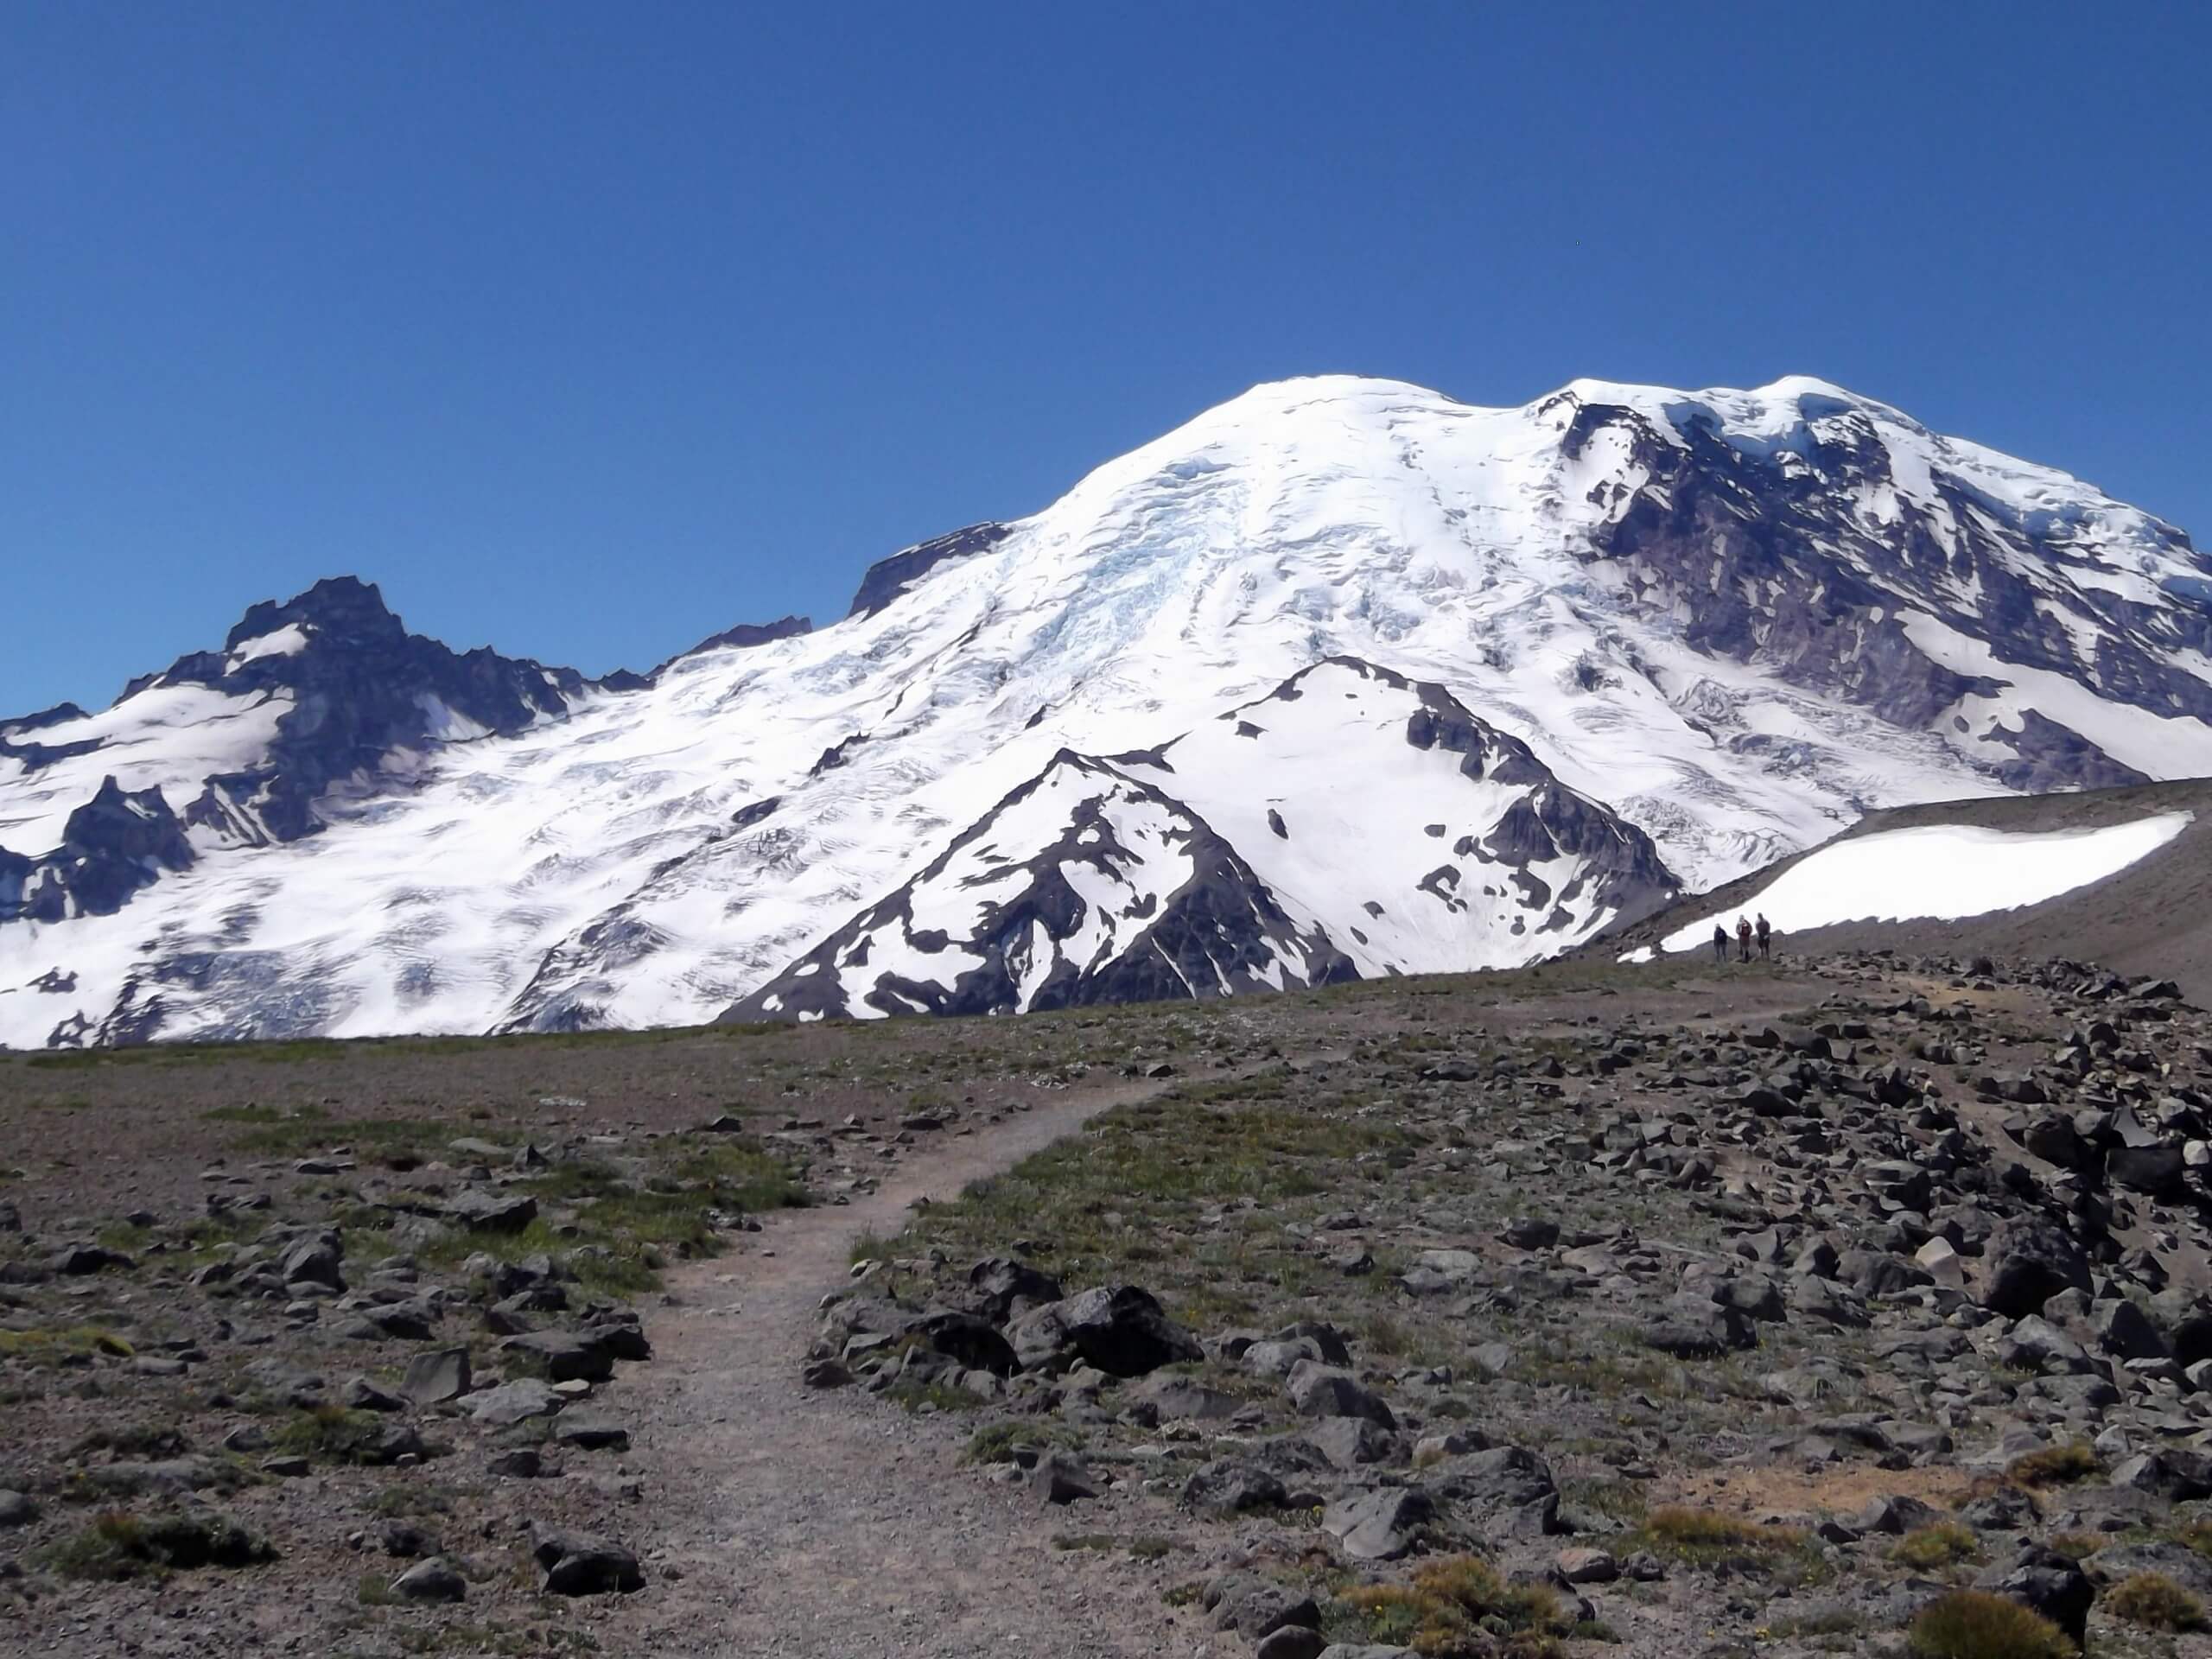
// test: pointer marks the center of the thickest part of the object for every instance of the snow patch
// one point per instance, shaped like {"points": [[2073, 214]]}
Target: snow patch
{"points": [[1939, 872]]}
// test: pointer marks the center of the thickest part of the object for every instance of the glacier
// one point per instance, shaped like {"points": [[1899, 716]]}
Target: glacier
{"points": [[1730, 622]]}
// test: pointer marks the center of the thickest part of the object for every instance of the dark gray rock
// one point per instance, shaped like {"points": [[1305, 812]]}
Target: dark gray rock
{"points": [[485, 1210], [1061, 1477], [2049, 1583], [1382, 1525], [1319, 1390], [437, 1375], [576, 1565], [2026, 1263], [431, 1581], [1234, 1486], [512, 1403]]}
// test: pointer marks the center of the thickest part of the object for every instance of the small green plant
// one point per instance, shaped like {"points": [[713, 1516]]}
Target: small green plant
{"points": [[1704, 1535], [2055, 1465], [117, 1545], [2155, 1602], [331, 1433], [50, 1343], [1972, 1624], [1938, 1545], [1459, 1607]]}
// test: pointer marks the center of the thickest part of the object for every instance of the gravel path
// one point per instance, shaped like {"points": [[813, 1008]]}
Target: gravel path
{"points": [[804, 1523]]}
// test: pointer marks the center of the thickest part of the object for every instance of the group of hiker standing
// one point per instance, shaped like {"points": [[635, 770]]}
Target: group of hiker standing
{"points": [[1746, 932]]}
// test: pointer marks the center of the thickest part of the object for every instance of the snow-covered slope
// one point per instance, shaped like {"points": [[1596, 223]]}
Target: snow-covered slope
{"points": [[1731, 620], [1349, 823], [1945, 872]]}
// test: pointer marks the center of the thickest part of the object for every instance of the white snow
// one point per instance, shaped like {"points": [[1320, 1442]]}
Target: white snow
{"points": [[1304, 519], [1941, 872], [287, 641], [169, 737]]}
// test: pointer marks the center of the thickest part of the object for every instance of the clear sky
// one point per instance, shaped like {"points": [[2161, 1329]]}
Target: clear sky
{"points": [[587, 330]]}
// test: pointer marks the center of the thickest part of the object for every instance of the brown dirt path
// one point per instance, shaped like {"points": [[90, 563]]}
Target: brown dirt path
{"points": [[801, 1523]]}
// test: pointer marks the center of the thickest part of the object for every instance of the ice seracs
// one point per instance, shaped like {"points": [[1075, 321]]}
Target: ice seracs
{"points": [[1711, 628]]}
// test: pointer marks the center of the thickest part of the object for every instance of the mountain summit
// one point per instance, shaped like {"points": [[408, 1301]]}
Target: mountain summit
{"points": [[1339, 677]]}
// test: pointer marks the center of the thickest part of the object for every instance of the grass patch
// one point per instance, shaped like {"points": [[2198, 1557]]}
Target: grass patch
{"points": [[1972, 1624], [1938, 1545], [1701, 1537], [259, 1116], [332, 1433], [2055, 1465], [1457, 1607], [51, 1342], [117, 1545], [1099, 1203], [2155, 1602], [627, 1225]]}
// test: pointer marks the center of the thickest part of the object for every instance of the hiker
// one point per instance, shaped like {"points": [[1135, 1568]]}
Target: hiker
{"points": [[1743, 939], [1719, 943], [1766, 938]]}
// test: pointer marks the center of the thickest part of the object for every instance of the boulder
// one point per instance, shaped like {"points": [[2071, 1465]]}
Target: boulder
{"points": [[1122, 1329], [435, 1580], [565, 1356], [1317, 1390], [437, 1375], [2048, 1583], [969, 1340], [576, 1565], [315, 1262], [486, 1209], [1379, 1526], [1002, 1287], [1232, 1486], [1061, 1477], [2026, 1262], [510, 1402]]}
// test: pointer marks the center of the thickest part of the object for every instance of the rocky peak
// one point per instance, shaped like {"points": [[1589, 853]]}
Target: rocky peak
{"points": [[341, 610], [888, 578]]}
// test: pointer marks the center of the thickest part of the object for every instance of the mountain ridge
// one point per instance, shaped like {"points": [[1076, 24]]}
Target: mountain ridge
{"points": [[1729, 621]]}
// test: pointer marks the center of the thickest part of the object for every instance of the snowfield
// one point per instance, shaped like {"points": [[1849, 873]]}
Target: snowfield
{"points": [[1938, 872], [1579, 574]]}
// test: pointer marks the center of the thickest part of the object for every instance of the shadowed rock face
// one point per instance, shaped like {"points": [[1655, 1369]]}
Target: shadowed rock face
{"points": [[1219, 930], [362, 686], [888, 578], [358, 688], [1769, 563], [116, 843]]}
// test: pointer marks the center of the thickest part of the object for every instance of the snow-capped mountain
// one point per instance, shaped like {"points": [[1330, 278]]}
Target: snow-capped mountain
{"points": [[1348, 824], [1192, 728]]}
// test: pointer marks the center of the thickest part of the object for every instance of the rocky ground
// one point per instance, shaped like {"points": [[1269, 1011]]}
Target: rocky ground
{"points": [[1585, 1310]]}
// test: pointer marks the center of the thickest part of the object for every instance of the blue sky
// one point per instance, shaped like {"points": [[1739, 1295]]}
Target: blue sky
{"points": [[590, 330]]}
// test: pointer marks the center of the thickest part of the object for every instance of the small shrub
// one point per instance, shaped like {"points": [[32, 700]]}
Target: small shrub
{"points": [[1456, 1608], [333, 1434], [2155, 1602], [117, 1545], [1941, 1544], [1703, 1536], [2055, 1465], [1972, 1624]]}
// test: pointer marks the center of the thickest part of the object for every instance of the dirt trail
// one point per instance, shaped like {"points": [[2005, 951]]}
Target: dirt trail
{"points": [[804, 1524]]}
